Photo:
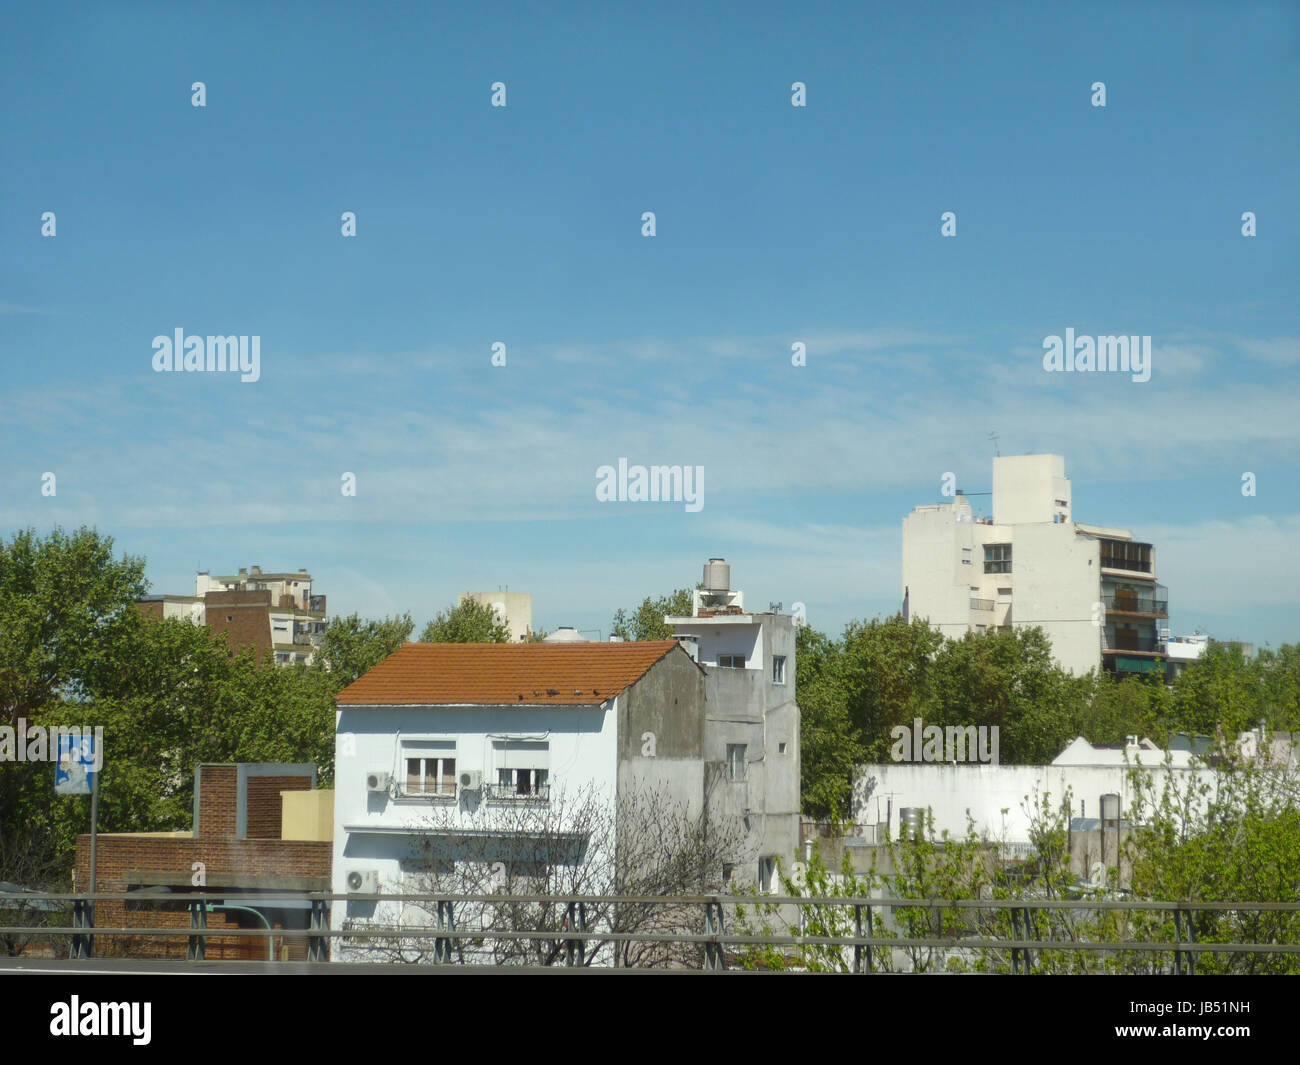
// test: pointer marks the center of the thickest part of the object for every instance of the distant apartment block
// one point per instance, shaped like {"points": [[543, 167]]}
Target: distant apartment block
{"points": [[273, 613], [514, 609], [1092, 589]]}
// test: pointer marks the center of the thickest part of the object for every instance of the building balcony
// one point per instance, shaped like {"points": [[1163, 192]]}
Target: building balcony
{"points": [[540, 793], [1130, 604], [1122, 643]]}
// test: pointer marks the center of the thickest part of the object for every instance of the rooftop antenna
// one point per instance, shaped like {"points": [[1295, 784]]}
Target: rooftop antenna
{"points": [[996, 450]]}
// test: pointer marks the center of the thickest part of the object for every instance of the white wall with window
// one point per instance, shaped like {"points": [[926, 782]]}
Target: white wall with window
{"points": [[400, 768]]}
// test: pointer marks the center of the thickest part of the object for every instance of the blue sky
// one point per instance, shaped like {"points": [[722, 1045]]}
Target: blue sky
{"points": [[775, 225]]}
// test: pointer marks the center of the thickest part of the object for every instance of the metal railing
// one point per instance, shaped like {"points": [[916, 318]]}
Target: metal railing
{"points": [[1131, 605], [1121, 642], [573, 927], [511, 793]]}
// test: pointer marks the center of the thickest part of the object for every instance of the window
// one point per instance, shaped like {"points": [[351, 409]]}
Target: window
{"points": [[430, 776], [997, 558], [781, 749], [522, 769], [778, 669], [731, 661], [521, 784], [735, 761], [766, 874], [1123, 554], [728, 872], [965, 556]]}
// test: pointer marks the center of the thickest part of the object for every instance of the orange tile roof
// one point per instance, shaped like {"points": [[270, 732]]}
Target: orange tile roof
{"points": [[496, 674]]}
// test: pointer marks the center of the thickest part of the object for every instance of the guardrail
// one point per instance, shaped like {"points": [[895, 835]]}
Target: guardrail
{"points": [[567, 924]]}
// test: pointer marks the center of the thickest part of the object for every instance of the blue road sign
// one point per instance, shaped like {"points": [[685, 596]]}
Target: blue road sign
{"points": [[75, 773]]}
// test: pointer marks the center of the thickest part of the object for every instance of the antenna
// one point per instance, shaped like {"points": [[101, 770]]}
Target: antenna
{"points": [[996, 450]]}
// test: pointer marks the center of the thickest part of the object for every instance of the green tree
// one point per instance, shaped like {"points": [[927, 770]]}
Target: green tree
{"points": [[830, 748], [885, 669], [1221, 691], [1279, 673], [646, 622], [1007, 680], [63, 601], [1232, 838], [352, 647], [469, 621]]}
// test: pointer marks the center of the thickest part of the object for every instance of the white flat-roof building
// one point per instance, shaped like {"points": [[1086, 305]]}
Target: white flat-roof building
{"points": [[1092, 589]]}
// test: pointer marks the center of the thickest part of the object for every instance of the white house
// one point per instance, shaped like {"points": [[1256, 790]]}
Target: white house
{"points": [[442, 747]]}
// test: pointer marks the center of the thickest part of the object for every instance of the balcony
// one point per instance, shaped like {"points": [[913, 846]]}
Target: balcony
{"points": [[1132, 604], [1122, 643], [539, 793], [1126, 555]]}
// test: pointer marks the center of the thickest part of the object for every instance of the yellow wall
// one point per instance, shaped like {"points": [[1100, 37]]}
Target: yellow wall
{"points": [[307, 815]]}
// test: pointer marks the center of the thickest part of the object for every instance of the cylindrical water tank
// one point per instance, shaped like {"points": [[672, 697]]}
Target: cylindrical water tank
{"points": [[717, 576], [910, 820]]}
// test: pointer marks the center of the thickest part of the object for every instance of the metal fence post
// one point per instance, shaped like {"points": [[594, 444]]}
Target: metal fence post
{"points": [[198, 944], [316, 944], [714, 956], [82, 917]]}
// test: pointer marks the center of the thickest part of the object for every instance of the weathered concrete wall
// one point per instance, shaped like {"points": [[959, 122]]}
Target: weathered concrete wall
{"points": [[661, 733]]}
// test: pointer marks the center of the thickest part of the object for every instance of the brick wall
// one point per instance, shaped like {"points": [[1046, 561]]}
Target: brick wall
{"points": [[120, 854], [245, 618], [265, 807], [218, 799]]}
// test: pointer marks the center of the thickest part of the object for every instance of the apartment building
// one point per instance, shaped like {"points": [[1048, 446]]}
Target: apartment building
{"points": [[276, 614], [513, 609], [751, 718], [1091, 588]]}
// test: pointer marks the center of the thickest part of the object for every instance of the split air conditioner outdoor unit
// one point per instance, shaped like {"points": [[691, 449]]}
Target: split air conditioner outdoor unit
{"points": [[471, 780], [363, 881], [379, 781]]}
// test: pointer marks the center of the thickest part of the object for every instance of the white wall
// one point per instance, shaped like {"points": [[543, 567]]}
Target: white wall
{"points": [[1057, 582], [582, 754], [994, 795], [1026, 488]]}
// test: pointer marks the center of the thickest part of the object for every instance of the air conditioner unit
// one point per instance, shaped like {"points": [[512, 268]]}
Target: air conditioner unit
{"points": [[471, 780], [379, 781], [363, 881]]}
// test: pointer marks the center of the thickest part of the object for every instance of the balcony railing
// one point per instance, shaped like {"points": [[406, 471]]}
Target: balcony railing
{"points": [[1119, 643], [511, 793], [1135, 605], [981, 604], [1135, 564]]}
